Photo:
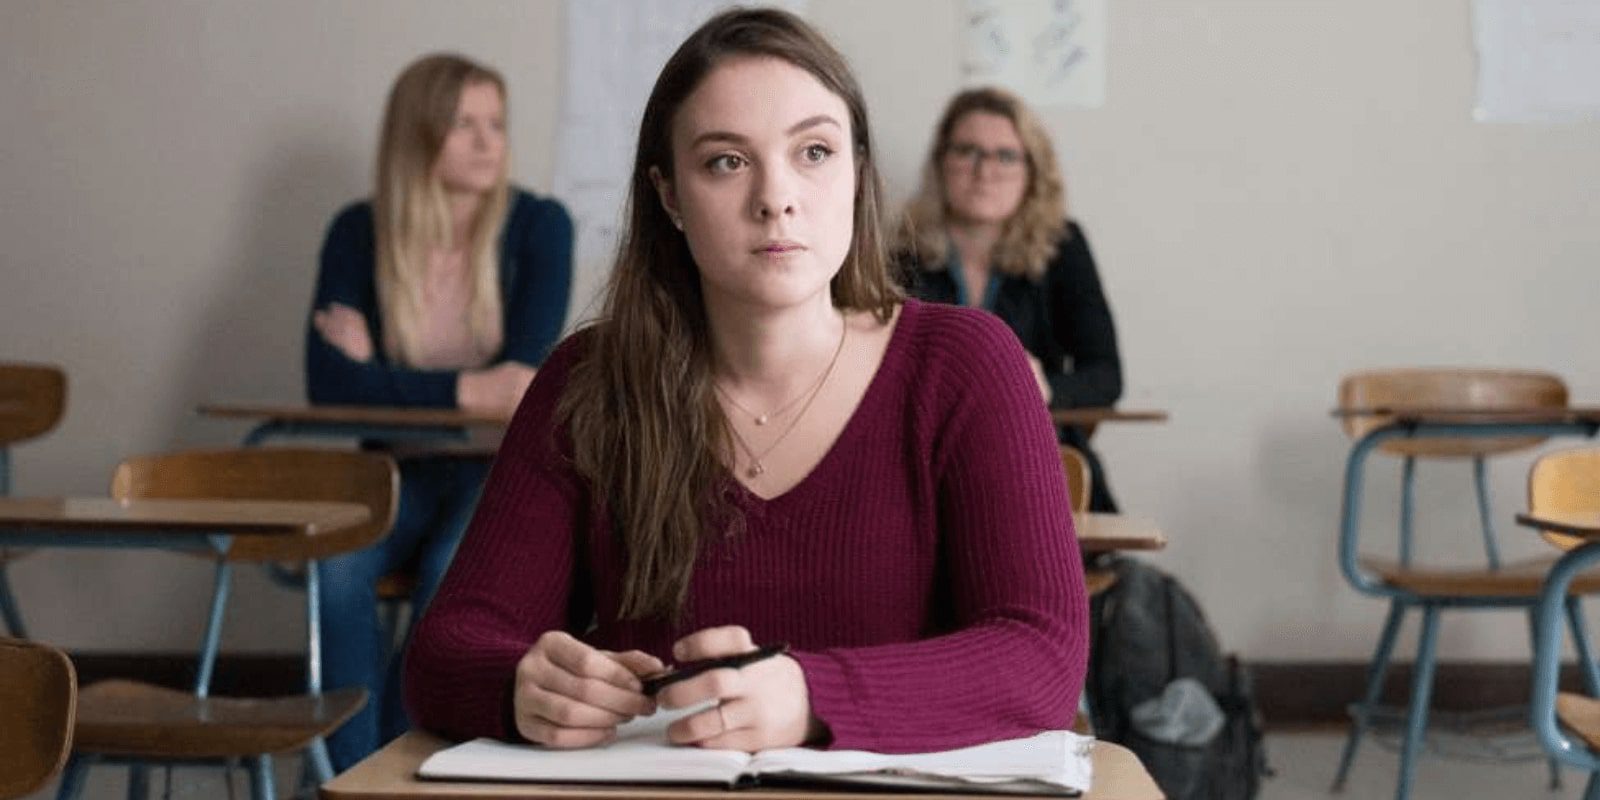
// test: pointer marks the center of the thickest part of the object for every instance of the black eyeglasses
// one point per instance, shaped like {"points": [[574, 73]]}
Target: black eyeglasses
{"points": [[1007, 160]]}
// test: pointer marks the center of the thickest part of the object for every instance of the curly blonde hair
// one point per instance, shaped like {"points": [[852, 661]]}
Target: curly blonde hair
{"points": [[1032, 235]]}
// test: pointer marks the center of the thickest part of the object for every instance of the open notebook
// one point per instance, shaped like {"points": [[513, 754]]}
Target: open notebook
{"points": [[1051, 763]]}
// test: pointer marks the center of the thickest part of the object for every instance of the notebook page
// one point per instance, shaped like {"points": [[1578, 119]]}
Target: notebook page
{"points": [[1059, 758], [640, 754]]}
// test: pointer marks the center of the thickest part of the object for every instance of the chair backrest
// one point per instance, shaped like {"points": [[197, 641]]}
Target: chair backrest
{"points": [[38, 702], [1565, 482], [1443, 388], [1079, 479], [32, 398], [272, 474]]}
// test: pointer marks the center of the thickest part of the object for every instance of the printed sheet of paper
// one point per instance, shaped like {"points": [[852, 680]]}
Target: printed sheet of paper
{"points": [[1538, 60], [1051, 52], [615, 49]]}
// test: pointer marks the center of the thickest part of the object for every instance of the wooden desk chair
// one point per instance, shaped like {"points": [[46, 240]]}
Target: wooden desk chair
{"points": [[137, 723], [32, 399], [1096, 579], [1560, 484], [1432, 589], [1079, 482], [38, 698]]}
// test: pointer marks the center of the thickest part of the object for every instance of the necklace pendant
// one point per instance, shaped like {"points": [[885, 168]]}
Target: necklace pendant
{"points": [[755, 469], [761, 420]]}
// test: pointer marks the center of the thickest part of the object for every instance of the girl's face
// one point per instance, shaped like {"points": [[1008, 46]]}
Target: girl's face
{"points": [[474, 152], [764, 182], [984, 168]]}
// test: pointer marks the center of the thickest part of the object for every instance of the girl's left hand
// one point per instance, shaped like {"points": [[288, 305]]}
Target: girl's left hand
{"points": [[346, 329], [759, 706]]}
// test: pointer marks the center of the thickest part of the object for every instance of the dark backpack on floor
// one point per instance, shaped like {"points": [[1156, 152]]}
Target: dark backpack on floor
{"points": [[1151, 632]]}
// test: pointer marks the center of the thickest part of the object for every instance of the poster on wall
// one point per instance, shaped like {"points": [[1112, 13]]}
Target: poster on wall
{"points": [[1051, 52], [615, 49], [1538, 60]]}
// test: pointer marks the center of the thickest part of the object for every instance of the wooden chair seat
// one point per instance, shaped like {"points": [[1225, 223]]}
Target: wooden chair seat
{"points": [[1581, 715], [1099, 580], [119, 717], [1516, 579], [38, 691]]}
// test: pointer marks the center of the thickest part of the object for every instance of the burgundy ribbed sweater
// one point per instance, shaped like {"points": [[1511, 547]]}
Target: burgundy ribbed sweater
{"points": [[925, 573]]}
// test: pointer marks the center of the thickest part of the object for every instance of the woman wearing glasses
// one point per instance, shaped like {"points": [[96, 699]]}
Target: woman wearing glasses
{"points": [[989, 229]]}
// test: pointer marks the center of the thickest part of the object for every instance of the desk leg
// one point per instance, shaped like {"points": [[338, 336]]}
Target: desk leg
{"points": [[138, 781], [213, 635], [319, 764], [8, 603], [1376, 671], [1421, 698], [74, 776], [261, 784]]}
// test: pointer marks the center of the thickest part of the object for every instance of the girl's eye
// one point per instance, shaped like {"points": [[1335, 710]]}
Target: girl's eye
{"points": [[725, 163], [816, 153]]}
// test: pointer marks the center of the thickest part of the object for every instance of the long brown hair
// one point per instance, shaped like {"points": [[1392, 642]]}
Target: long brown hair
{"points": [[647, 431], [411, 215], [1030, 236]]}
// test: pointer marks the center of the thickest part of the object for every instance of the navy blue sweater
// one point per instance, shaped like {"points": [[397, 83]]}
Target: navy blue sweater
{"points": [[535, 284]]}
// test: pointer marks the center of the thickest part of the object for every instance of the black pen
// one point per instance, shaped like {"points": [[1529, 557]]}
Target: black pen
{"points": [[661, 680]]}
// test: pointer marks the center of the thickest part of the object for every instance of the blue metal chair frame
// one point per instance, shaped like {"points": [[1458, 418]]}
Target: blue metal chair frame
{"points": [[1401, 600], [272, 429], [262, 782], [1554, 602], [8, 601]]}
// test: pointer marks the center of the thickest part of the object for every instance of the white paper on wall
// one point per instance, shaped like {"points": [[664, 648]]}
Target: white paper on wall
{"points": [[615, 49], [1538, 60], [1051, 52]]}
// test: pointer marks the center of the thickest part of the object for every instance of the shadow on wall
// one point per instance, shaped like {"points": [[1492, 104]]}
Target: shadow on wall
{"points": [[249, 348]]}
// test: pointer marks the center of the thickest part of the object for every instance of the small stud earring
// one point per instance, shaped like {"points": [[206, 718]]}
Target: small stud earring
{"points": [[677, 222]]}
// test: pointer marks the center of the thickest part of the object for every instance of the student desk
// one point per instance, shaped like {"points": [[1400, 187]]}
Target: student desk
{"points": [[384, 423], [331, 420], [181, 524], [169, 525], [1437, 423], [106, 522], [1104, 533], [1091, 416], [391, 774], [453, 425]]}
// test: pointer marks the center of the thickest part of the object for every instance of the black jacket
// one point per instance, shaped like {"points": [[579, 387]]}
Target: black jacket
{"points": [[1062, 319]]}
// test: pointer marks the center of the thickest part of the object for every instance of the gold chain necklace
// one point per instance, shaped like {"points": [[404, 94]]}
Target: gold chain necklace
{"points": [[762, 419], [756, 469]]}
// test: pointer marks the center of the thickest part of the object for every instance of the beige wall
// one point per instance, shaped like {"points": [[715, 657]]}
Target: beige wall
{"points": [[1278, 191]]}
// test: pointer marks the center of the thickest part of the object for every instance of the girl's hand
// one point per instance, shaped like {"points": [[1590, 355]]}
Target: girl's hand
{"points": [[568, 694], [346, 329], [496, 390], [759, 706]]}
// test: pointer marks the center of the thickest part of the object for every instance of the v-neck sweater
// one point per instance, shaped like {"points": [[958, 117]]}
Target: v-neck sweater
{"points": [[925, 573]]}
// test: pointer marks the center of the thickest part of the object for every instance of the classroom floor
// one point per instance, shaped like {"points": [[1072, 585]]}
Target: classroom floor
{"points": [[1304, 761]]}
